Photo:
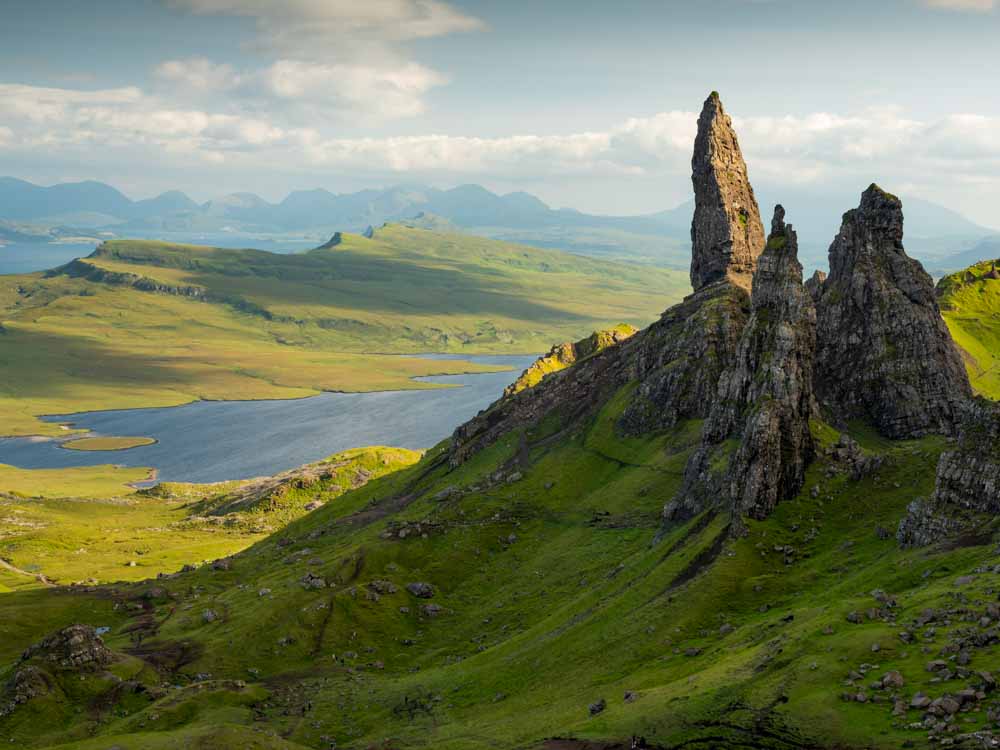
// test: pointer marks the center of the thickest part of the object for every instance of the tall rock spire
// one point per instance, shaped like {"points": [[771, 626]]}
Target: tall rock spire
{"points": [[883, 350], [756, 443], [726, 234]]}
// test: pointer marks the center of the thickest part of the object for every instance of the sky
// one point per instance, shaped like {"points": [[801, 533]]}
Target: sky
{"points": [[590, 105]]}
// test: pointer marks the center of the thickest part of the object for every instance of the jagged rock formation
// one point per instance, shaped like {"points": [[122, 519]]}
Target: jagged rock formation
{"points": [[883, 351], [727, 235], [676, 363], [678, 360], [756, 443], [563, 355], [967, 488], [815, 285], [866, 342]]}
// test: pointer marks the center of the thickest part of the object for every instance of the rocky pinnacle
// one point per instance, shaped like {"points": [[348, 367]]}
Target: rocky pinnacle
{"points": [[883, 350], [756, 443], [727, 235]]}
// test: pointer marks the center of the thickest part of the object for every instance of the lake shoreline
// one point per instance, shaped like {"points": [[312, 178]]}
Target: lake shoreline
{"points": [[205, 441], [57, 419]]}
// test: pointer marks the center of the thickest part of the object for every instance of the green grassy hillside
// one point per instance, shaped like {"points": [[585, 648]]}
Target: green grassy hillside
{"points": [[970, 303], [84, 525], [553, 588], [150, 324]]}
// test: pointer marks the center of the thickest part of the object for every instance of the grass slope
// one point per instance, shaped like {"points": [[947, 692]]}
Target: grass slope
{"points": [[151, 324], [86, 481], [970, 304], [83, 525], [554, 587]]}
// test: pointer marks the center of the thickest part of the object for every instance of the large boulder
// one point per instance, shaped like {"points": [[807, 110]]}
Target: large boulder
{"points": [[73, 647]]}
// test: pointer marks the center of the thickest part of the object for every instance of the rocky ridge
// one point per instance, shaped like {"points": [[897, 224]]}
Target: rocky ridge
{"points": [[867, 342], [967, 486], [563, 355]]}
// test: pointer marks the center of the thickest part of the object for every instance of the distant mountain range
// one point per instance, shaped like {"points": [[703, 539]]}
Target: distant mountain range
{"points": [[942, 238]]}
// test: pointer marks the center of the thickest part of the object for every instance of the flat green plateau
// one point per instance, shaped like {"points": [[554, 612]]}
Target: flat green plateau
{"points": [[85, 481], [106, 443]]}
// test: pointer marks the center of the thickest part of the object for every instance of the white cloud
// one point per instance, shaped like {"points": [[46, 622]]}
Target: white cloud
{"points": [[320, 27], [48, 126], [978, 6], [198, 75], [304, 90], [332, 58]]}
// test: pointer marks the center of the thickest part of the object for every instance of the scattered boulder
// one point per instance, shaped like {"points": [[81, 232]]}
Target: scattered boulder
{"points": [[598, 706], [312, 581], [420, 590]]}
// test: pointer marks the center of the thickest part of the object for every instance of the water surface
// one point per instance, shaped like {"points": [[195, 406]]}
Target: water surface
{"points": [[212, 441], [28, 257]]}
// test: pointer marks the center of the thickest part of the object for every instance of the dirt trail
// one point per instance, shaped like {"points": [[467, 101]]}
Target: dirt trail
{"points": [[14, 569]]}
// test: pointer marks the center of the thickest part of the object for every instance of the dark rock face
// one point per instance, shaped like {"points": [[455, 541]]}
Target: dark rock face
{"points": [[756, 443], [815, 285], [756, 353], [726, 234], [883, 351], [676, 363], [679, 361], [76, 646], [967, 489]]}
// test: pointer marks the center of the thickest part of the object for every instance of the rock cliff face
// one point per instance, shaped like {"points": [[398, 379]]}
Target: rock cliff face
{"points": [[815, 284], [563, 355], [756, 443], [678, 360], [883, 351], [967, 489], [727, 235], [676, 363]]}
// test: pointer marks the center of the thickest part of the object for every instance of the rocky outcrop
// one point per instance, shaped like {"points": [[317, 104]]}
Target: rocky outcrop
{"points": [[74, 647], [815, 285], [756, 443], [562, 356], [967, 489], [883, 350], [727, 235], [676, 362]]}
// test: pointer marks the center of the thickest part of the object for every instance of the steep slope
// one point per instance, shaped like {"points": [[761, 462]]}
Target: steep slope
{"points": [[970, 305]]}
